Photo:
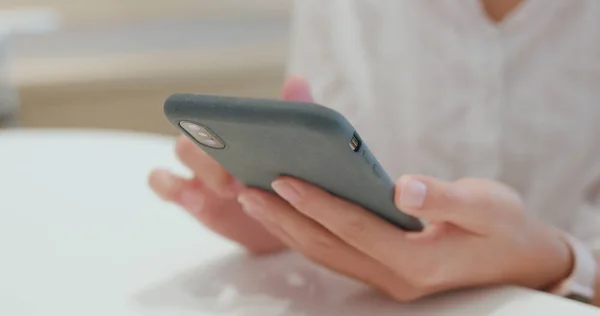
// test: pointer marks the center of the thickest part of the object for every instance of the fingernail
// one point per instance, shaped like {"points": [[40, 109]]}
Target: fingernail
{"points": [[251, 206], [412, 194], [192, 201], [286, 190]]}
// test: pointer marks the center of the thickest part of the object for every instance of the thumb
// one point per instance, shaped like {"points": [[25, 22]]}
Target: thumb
{"points": [[477, 205], [296, 88]]}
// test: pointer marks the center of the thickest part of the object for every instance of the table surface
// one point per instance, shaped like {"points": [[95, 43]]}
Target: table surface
{"points": [[81, 234]]}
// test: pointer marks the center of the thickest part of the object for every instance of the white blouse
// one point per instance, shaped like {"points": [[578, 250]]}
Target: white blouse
{"points": [[435, 87]]}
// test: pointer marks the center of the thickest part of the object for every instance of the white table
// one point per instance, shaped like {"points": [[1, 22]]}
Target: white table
{"points": [[81, 234]]}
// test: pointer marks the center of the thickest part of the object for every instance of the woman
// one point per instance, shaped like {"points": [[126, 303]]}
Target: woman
{"points": [[488, 109]]}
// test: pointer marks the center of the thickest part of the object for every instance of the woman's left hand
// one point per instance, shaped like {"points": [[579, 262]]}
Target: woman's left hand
{"points": [[478, 234]]}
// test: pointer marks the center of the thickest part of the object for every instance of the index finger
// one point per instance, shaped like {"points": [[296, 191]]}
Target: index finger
{"points": [[351, 223], [205, 168]]}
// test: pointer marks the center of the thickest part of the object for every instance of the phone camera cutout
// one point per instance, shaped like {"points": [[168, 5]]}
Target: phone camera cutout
{"points": [[355, 143], [202, 135]]}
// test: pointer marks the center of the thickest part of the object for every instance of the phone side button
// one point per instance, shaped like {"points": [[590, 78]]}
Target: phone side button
{"points": [[377, 170]]}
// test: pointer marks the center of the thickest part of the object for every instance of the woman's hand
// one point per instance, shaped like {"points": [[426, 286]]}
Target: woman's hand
{"points": [[211, 195], [477, 235]]}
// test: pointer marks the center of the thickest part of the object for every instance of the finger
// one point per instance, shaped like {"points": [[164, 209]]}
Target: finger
{"points": [[206, 169], [223, 216], [475, 205], [188, 193], [210, 171], [431, 232], [318, 244], [167, 185], [296, 88], [349, 222]]}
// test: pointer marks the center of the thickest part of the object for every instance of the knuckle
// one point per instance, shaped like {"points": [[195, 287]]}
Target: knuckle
{"points": [[470, 192], [403, 295], [310, 199], [352, 227], [317, 244], [211, 217], [428, 279], [434, 283], [309, 203], [485, 199], [508, 196], [214, 212], [220, 179], [302, 202], [426, 283], [483, 193], [468, 182]]}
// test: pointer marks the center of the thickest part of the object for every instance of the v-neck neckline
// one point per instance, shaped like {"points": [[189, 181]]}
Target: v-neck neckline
{"points": [[511, 20], [490, 14]]}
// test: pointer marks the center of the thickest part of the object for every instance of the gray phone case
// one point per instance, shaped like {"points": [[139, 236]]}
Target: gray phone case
{"points": [[265, 139]]}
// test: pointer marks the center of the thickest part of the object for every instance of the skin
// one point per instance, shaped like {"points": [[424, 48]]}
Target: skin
{"points": [[211, 196], [497, 10], [479, 233], [480, 236]]}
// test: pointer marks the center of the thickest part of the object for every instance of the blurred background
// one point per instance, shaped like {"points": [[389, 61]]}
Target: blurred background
{"points": [[112, 63]]}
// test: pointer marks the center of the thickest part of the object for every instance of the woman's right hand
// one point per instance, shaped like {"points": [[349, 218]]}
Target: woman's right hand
{"points": [[211, 195]]}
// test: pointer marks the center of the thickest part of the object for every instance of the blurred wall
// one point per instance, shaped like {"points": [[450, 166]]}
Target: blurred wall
{"points": [[112, 63]]}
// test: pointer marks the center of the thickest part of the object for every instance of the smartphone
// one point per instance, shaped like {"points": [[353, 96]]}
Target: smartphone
{"points": [[259, 140]]}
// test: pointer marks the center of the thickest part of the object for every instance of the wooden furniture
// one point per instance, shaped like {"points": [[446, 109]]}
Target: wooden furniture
{"points": [[112, 63]]}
